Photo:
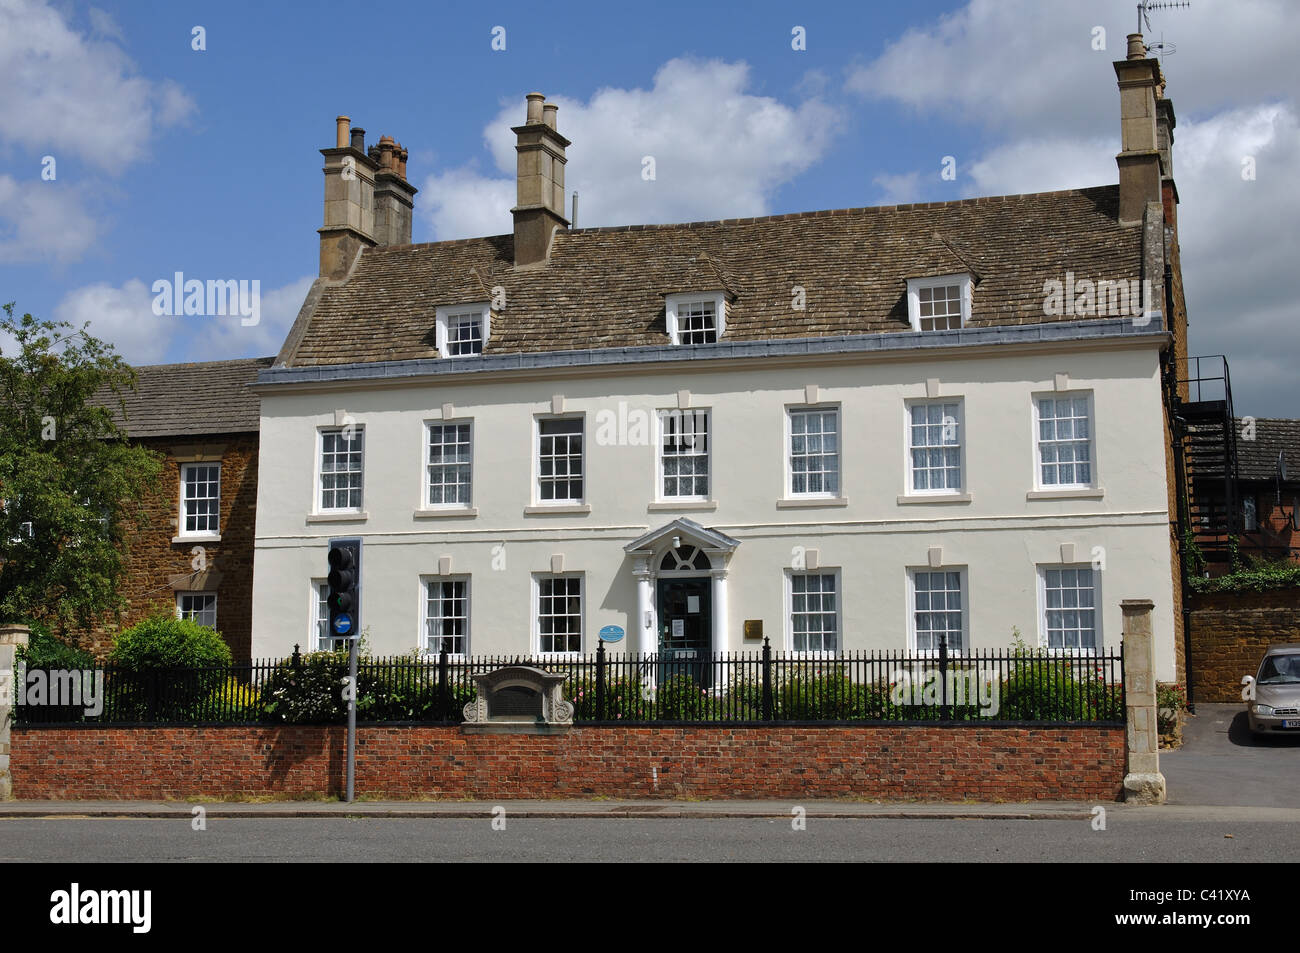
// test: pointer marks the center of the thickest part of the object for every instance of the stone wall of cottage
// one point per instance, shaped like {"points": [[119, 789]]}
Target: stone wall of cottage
{"points": [[1231, 631], [157, 568]]}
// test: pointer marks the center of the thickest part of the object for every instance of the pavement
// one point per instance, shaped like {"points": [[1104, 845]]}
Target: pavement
{"points": [[822, 809]]}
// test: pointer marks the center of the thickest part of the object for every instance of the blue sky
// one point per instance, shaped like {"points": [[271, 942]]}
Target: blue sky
{"points": [[206, 162]]}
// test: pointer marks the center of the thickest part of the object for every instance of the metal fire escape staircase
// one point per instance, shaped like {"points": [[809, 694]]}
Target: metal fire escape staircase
{"points": [[1206, 432]]}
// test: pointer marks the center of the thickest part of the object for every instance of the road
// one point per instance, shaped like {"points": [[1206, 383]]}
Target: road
{"points": [[1145, 835]]}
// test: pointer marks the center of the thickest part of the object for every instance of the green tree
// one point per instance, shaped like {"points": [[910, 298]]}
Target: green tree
{"points": [[71, 484]]}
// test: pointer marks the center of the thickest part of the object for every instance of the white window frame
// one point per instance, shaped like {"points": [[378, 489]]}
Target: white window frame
{"points": [[359, 431], [1249, 513], [444, 319], [1092, 440], [180, 613], [423, 635], [537, 460], [538, 579], [674, 302], [1098, 637], [914, 286], [788, 452], [909, 472], [426, 483], [913, 645], [789, 612], [199, 533], [319, 622], [707, 413]]}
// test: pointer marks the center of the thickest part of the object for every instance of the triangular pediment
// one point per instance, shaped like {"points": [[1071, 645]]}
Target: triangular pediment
{"points": [[691, 532]]}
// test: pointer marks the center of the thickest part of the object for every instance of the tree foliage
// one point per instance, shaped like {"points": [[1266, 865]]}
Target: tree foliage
{"points": [[71, 484]]}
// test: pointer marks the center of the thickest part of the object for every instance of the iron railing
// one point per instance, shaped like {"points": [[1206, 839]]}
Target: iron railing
{"points": [[604, 687]]}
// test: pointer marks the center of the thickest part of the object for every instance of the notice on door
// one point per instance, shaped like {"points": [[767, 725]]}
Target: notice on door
{"points": [[692, 604], [679, 628]]}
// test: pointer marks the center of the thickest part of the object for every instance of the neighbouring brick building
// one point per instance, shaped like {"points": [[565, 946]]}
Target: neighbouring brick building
{"points": [[194, 554], [1268, 468]]}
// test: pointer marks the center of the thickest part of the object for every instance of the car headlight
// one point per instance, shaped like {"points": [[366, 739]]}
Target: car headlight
{"points": [[1262, 709]]}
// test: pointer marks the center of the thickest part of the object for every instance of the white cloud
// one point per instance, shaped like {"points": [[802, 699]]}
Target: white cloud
{"points": [[1043, 165], [1240, 246], [71, 92], [42, 221], [223, 337], [123, 316], [1030, 66], [719, 152], [901, 189]]}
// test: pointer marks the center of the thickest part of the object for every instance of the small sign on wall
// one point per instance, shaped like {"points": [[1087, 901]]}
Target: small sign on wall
{"points": [[753, 628]]}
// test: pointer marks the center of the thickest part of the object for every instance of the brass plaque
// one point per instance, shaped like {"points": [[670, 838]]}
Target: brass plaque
{"points": [[753, 628]]}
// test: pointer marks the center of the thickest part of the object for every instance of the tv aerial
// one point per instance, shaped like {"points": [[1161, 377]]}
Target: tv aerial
{"points": [[1146, 6], [1161, 49]]}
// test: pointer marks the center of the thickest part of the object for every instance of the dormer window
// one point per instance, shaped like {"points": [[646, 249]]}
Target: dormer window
{"points": [[940, 303], [696, 318], [463, 330]]}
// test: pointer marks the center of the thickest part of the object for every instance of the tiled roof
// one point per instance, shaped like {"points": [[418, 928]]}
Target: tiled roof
{"points": [[1257, 459], [210, 397], [605, 287]]}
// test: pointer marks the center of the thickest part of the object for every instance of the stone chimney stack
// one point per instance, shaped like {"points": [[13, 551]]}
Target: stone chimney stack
{"points": [[368, 201], [394, 196], [1140, 87], [540, 182]]}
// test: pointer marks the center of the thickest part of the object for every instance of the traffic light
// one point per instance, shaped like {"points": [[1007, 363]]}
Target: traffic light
{"points": [[344, 581]]}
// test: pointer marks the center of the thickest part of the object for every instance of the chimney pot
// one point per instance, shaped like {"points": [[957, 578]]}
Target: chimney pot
{"points": [[1137, 50], [401, 162], [358, 139], [386, 149], [535, 101], [342, 131], [548, 114]]}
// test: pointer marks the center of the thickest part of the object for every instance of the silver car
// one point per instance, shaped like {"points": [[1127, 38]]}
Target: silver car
{"points": [[1273, 694]]}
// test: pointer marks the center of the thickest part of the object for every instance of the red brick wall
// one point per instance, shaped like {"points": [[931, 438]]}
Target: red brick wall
{"points": [[153, 558], [1231, 630], [784, 761]]}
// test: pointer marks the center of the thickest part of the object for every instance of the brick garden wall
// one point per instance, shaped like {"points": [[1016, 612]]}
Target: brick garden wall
{"points": [[780, 761], [1231, 630]]}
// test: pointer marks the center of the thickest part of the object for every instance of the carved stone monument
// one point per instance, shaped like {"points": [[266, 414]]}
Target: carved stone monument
{"points": [[519, 699]]}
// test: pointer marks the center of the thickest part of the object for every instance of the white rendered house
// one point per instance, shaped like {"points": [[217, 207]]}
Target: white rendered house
{"points": [[861, 429]]}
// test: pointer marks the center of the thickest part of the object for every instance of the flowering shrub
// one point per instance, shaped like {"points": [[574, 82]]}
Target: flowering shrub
{"points": [[1171, 700], [311, 692]]}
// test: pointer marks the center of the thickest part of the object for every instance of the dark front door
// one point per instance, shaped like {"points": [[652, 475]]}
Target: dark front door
{"points": [[686, 628]]}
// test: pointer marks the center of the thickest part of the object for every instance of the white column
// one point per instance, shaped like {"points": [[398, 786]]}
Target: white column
{"points": [[720, 632], [720, 640], [643, 624]]}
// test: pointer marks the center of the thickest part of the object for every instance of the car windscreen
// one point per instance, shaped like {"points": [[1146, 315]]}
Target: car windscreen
{"points": [[1280, 670]]}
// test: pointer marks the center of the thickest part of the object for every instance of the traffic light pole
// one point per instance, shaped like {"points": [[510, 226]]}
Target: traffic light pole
{"points": [[352, 718]]}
